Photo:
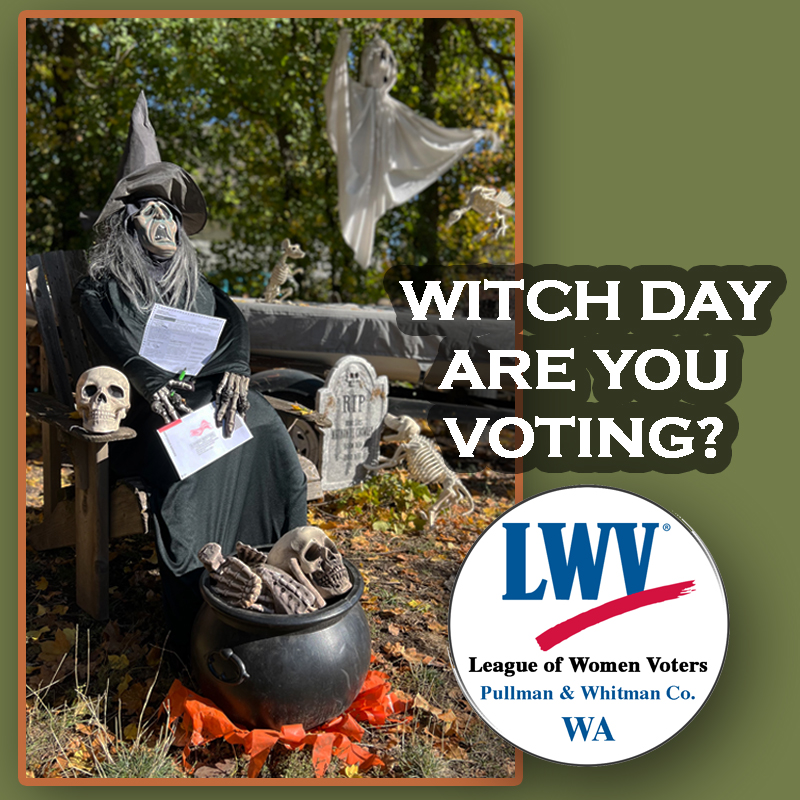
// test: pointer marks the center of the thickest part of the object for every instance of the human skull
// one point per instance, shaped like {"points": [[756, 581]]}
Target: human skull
{"points": [[378, 65], [103, 397], [157, 228], [316, 556]]}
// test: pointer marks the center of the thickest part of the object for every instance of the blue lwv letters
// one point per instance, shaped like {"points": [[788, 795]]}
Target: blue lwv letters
{"points": [[563, 566]]}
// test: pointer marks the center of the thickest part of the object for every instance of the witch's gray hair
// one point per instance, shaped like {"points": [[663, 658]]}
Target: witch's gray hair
{"points": [[117, 253]]}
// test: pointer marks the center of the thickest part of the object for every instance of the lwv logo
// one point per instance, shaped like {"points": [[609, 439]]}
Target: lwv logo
{"points": [[569, 587], [563, 566]]}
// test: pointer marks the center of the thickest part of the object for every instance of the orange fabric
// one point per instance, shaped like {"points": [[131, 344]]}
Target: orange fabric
{"points": [[200, 722], [376, 702]]}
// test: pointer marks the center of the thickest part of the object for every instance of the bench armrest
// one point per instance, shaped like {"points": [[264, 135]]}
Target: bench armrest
{"points": [[44, 408]]}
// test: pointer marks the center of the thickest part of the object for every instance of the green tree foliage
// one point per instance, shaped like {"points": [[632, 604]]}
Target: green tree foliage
{"points": [[239, 103]]}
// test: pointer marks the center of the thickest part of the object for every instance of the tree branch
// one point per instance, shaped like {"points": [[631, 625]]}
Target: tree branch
{"points": [[498, 58]]}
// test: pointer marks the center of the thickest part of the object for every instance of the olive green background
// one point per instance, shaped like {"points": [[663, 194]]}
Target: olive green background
{"points": [[655, 133]]}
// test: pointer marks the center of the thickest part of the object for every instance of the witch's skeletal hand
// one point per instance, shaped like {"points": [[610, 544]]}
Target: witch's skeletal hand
{"points": [[231, 399], [167, 403]]}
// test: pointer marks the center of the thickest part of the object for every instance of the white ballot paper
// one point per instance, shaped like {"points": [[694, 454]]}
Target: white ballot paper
{"points": [[195, 441], [178, 340]]}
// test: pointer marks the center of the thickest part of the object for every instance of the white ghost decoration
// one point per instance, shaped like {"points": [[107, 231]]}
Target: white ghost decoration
{"points": [[386, 152]]}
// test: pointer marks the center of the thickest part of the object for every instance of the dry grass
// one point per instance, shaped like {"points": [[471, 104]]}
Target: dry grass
{"points": [[79, 737]]}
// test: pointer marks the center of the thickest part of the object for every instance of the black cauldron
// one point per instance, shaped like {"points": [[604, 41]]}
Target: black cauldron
{"points": [[269, 670]]}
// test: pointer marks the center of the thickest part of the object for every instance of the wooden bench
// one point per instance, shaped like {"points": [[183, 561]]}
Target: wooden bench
{"points": [[87, 517], [94, 512]]}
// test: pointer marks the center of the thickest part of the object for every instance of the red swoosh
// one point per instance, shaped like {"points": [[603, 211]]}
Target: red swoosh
{"points": [[204, 426], [613, 608]]}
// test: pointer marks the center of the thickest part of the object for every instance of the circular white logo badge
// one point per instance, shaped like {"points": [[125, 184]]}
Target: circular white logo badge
{"points": [[588, 625]]}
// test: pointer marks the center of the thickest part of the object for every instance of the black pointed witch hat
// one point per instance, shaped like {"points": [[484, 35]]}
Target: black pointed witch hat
{"points": [[142, 173]]}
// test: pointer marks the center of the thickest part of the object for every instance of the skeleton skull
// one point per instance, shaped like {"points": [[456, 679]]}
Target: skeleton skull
{"points": [[316, 556], [157, 228], [291, 250], [103, 398], [404, 426]]}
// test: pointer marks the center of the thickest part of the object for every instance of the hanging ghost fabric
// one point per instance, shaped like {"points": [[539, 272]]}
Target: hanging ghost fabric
{"points": [[386, 153]]}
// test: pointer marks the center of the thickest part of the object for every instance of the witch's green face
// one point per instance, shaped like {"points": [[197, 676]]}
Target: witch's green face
{"points": [[157, 228]]}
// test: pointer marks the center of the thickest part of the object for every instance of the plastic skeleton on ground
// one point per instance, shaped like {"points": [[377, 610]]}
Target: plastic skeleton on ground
{"points": [[282, 273], [491, 204], [247, 581], [424, 462]]}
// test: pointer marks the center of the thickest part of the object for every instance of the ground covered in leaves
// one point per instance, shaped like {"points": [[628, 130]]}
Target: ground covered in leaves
{"points": [[94, 690]]}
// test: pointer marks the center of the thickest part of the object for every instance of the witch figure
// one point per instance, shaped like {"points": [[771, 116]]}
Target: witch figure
{"points": [[143, 256]]}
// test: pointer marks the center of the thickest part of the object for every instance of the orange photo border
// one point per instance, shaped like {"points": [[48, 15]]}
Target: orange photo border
{"points": [[21, 311]]}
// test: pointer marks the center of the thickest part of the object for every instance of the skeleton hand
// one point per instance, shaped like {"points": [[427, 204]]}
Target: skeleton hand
{"points": [[231, 398], [167, 404]]}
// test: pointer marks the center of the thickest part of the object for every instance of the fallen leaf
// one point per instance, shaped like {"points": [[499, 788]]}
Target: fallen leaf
{"points": [[351, 771], [133, 698], [209, 772], [436, 627], [446, 723], [450, 749], [421, 703], [154, 656], [118, 662], [448, 716], [228, 766], [59, 647], [33, 636], [410, 654]]}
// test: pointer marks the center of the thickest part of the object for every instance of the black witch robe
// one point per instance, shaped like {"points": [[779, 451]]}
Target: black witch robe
{"points": [[254, 494]]}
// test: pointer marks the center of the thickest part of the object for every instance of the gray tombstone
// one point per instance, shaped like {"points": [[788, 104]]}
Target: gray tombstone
{"points": [[355, 400]]}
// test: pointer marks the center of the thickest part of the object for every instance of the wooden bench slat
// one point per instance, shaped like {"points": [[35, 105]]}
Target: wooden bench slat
{"points": [[45, 313], [59, 272]]}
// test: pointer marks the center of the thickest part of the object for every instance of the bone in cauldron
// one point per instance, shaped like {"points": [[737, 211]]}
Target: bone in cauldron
{"points": [[269, 670]]}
